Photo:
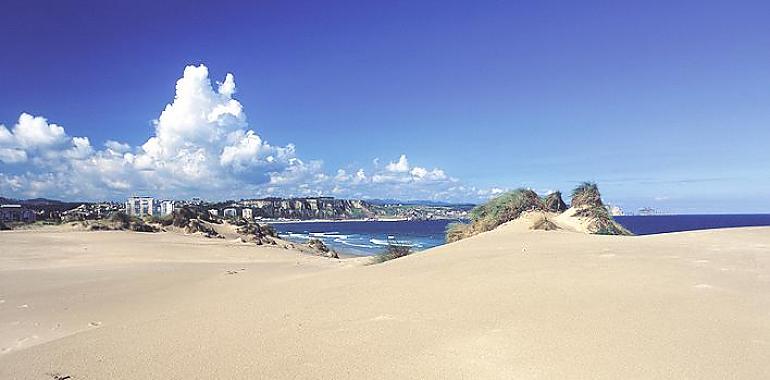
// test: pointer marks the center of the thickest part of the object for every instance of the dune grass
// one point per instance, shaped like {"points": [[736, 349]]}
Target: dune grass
{"points": [[587, 199], [586, 194], [554, 203], [509, 206], [505, 207], [457, 231], [545, 224], [601, 222], [392, 252], [499, 210]]}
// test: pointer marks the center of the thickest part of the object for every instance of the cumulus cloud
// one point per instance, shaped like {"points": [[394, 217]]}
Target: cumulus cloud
{"points": [[400, 166], [202, 146], [201, 143], [32, 136]]}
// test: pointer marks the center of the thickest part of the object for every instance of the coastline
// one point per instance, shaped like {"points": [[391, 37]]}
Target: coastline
{"points": [[287, 221]]}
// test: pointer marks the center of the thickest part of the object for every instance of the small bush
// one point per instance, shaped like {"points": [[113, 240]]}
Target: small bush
{"points": [[392, 252], [121, 220]]}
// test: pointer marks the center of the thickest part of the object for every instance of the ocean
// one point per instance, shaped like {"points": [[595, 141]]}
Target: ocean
{"points": [[366, 238], [656, 224]]}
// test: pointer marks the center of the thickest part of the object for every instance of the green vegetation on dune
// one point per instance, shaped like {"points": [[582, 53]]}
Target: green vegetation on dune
{"points": [[504, 208], [588, 202], [586, 194], [554, 203], [394, 251], [501, 209], [509, 206]]}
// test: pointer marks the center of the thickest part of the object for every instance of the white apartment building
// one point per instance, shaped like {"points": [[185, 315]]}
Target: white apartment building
{"points": [[140, 206], [229, 213], [166, 208], [247, 213]]}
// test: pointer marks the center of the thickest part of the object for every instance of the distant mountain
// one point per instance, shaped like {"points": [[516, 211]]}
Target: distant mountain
{"points": [[32, 202]]}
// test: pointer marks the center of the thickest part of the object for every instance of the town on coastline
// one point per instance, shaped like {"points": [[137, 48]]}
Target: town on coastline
{"points": [[260, 210], [273, 209]]}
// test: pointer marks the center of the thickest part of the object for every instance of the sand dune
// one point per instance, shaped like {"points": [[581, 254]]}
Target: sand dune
{"points": [[510, 303]]}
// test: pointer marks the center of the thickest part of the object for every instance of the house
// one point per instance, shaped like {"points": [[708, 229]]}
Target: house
{"points": [[140, 206], [16, 213], [247, 213], [214, 212], [230, 213]]}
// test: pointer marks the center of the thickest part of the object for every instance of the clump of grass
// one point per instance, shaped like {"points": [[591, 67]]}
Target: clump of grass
{"points": [[586, 194], [394, 251], [499, 210], [505, 208], [601, 222], [588, 202], [554, 203], [457, 231], [119, 221], [543, 223]]}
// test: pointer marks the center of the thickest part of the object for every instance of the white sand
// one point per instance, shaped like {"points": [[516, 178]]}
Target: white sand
{"points": [[511, 303]]}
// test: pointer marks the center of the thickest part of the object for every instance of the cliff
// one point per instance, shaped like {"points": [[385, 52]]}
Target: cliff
{"points": [[309, 208]]}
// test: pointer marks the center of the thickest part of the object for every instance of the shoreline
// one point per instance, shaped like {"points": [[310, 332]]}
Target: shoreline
{"points": [[285, 221], [282, 221]]}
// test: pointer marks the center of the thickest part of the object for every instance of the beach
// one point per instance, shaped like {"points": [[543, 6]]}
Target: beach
{"points": [[509, 303]]}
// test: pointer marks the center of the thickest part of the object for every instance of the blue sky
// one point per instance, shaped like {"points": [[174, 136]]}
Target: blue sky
{"points": [[664, 104]]}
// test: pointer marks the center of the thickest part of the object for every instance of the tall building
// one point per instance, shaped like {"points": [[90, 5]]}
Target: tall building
{"points": [[166, 208], [247, 213], [140, 206]]}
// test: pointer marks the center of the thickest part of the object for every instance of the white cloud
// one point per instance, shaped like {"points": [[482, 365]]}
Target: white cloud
{"points": [[35, 132], [202, 146], [400, 166], [116, 147], [12, 155]]}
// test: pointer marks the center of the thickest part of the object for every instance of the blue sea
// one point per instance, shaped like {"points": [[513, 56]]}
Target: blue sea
{"points": [[656, 224], [367, 238]]}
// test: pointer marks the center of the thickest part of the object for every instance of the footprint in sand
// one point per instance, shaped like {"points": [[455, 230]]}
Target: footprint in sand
{"points": [[95, 324], [25, 306]]}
